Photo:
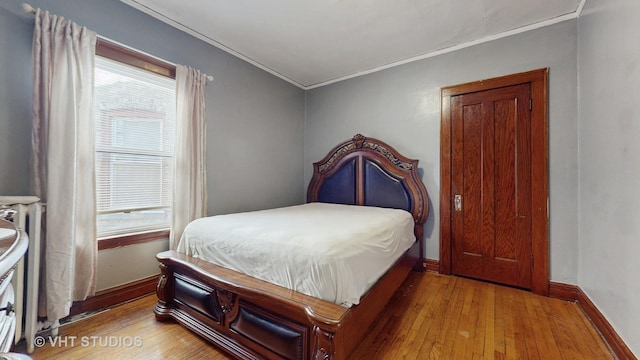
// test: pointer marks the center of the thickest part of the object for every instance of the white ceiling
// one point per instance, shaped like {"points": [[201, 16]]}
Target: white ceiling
{"points": [[311, 43]]}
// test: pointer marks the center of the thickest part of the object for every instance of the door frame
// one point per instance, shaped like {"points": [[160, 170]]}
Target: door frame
{"points": [[539, 170]]}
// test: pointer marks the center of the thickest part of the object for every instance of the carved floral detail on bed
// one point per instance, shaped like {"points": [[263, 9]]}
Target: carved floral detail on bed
{"points": [[226, 299], [324, 344], [337, 154], [359, 141], [389, 155]]}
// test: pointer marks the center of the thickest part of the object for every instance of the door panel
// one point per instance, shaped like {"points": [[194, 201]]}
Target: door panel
{"points": [[491, 171]]}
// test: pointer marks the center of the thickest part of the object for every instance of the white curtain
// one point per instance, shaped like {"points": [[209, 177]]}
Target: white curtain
{"points": [[190, 180], [63, 158]]}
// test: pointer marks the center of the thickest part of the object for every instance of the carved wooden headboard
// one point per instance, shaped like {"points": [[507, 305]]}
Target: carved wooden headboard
{"points": [[366, 171]]}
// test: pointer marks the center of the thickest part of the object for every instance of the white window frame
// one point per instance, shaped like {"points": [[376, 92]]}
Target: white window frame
{"points": [[127, 56]]}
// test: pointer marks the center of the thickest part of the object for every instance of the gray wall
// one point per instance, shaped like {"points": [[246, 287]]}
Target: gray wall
{"points": [[402, 107], [15, 103], [609, 142], [255, 121]]}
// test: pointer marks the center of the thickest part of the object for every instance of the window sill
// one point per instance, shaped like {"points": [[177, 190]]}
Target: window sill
{"points": [[126, 240]]}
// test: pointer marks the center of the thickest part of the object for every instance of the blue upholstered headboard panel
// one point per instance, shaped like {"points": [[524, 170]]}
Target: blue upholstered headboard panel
{"points": [[379, 187], [367, 171], [340, 186], [383, 189]]}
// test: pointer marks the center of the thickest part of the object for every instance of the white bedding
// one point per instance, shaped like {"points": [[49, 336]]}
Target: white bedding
{"points": [[333, 252]]}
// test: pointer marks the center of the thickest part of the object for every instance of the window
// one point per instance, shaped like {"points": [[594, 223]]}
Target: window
{"points": [[134, 136]]}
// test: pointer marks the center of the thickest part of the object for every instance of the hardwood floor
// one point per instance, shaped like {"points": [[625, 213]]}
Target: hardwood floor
{"points": [[431, 317]]}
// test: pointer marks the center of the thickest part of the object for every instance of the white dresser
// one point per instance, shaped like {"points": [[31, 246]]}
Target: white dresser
{"points": [[13, 245]]}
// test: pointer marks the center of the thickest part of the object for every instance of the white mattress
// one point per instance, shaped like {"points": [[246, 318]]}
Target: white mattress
{"points": [[328, 251]]}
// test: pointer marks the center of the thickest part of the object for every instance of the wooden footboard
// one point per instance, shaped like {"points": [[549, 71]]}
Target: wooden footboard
{"points": [[253, 319]]}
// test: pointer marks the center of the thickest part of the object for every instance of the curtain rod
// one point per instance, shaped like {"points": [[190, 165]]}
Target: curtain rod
{"points": [[27, 8]]}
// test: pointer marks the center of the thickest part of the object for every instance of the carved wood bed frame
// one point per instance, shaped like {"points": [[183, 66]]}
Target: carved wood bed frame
{"points": [[253, 319]]}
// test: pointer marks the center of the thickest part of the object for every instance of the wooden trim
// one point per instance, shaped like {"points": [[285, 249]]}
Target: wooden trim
{"points": [[562, 291], [445, 185], [539, 169], [608, 332], [126, 240], [116, 52], [570, 292], [431, 265], [117, 295], [540, 181]]}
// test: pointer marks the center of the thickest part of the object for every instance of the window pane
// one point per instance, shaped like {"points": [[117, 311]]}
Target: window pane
{"points": [[137, 133], [137, 221], [128, 181], [135, 125]]}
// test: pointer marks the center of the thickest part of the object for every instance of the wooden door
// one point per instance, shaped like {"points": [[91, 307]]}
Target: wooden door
{"points": [[494, 180], [491, 185]]}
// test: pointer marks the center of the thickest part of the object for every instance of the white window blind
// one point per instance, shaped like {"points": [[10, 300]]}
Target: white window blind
{"points": [[134, 132]]}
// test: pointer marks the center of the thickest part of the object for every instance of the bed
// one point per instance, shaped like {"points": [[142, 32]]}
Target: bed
{"points": [[252, 318]]}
